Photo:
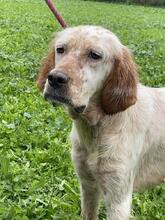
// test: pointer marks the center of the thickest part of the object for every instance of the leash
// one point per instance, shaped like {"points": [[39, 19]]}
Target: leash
{"points": [[57, 15]]}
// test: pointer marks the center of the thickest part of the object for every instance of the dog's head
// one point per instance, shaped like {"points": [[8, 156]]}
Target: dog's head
{"points": [[88, 64]]}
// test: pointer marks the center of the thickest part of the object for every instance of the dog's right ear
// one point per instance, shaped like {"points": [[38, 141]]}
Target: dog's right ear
{"points": [[47, 65]]}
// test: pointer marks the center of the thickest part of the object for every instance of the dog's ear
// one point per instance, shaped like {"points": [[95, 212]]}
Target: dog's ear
{"points": [[120, 88], [47, 65]]}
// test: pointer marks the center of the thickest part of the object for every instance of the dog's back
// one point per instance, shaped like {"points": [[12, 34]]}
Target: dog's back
{"points": [[150, 170]]}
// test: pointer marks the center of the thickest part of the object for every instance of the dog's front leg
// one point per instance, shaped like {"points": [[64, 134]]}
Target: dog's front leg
{"points": [[118, 210], [116, 183], [89, 187], [89, 199]]}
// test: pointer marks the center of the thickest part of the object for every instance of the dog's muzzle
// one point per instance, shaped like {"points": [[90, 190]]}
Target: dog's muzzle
{"points": [[57, 90]]}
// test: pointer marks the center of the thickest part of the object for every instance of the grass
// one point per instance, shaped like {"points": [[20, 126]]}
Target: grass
{"points": [[37, 176]]}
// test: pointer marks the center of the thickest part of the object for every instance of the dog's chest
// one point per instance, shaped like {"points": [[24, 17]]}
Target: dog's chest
{"points": [[85, 141], [87, 136]]}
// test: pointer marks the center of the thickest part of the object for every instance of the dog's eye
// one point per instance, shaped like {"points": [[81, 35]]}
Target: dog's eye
{"points": [[60, 50], [94, 56]]}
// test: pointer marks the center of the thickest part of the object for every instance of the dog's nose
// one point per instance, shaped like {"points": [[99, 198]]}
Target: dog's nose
{"points": [[57, 79]]}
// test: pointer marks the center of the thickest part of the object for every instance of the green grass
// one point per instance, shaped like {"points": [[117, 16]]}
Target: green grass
{"points": [[37, 176]]}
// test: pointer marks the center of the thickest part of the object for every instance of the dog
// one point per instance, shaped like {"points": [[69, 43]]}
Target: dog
{"points": [[118, 132]]}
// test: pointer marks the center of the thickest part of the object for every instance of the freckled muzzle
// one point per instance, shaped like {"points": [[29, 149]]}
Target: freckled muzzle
{"points": [[57, 90]]}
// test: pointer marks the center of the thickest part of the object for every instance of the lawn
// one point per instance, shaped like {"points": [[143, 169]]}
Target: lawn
{"points": [[37, 176]]}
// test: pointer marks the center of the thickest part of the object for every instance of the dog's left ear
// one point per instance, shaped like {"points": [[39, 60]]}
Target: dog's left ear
{"points": [[120, 88], [47, 65]]}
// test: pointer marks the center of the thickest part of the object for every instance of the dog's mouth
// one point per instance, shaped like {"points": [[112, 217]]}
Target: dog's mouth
{"points": [[54, 99], [80, 109]]}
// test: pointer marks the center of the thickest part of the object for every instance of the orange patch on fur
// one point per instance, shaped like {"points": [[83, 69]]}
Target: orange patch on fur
{"points": [[48, 64], [120, 88]]}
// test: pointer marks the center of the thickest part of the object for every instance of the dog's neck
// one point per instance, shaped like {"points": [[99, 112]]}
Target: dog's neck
{"points": [[92, 114]]}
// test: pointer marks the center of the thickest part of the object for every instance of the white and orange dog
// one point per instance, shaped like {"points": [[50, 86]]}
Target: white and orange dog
{"points": [[118, 132]]}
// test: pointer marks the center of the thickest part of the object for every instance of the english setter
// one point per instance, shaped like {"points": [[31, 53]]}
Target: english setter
{"points": [[118, 132]]}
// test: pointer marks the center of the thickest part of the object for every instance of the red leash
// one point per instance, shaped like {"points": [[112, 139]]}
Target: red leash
{"points": [[56, 13]]}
